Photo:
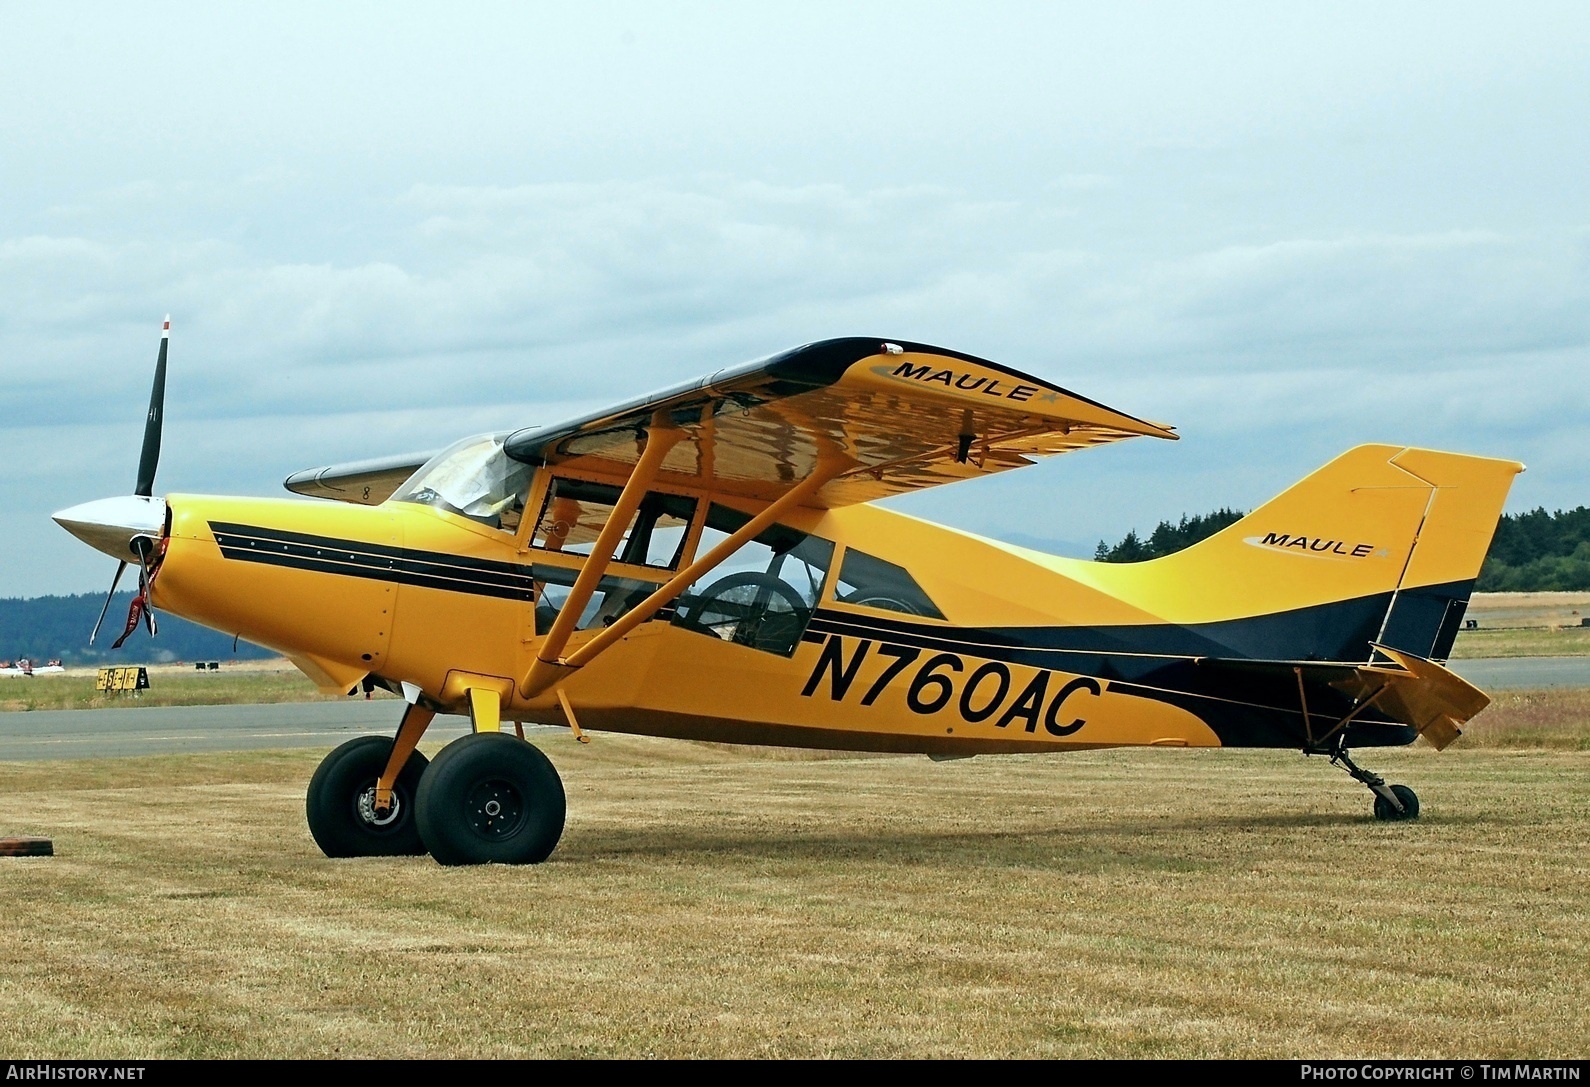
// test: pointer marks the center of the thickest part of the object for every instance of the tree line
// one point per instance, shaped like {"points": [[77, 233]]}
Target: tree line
{"points": [[1531, 552], [1167, 537], [56, 628]]}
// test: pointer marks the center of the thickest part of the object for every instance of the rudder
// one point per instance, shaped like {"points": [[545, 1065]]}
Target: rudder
{"points": [[1466, 497]]}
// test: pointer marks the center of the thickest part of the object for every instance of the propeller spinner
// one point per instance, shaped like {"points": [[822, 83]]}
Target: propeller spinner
{"points": [[131, 528]]}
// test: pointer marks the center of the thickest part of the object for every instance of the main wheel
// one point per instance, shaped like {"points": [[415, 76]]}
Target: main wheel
{"points": [[490, 797], [1410, 803], [341, 802]]}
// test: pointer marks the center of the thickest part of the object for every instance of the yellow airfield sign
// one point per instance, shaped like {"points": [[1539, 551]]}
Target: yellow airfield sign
{"points": [[130, 678]]}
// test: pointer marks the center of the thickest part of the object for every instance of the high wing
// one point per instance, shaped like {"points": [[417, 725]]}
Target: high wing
{"points": [[901, 416], [364, 482]]}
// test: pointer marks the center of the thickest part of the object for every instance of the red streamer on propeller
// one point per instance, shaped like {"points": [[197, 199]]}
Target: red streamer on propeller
{"points": [[140, 608]]}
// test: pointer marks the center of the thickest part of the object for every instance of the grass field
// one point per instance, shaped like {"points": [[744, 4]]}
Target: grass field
{"points": [[1553, 720], [1522, 642], [1525, 625], [712, 901], [1529, 609]]}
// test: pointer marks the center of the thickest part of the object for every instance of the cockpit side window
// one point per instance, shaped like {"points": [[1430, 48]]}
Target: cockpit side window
{"points": [[871, 582], [657, 538], [575, 511]]}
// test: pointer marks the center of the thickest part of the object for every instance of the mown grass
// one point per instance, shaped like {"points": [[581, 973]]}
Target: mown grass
{"points": [[1525, 625], [1522, 642], [712, 901], [167, 687]]}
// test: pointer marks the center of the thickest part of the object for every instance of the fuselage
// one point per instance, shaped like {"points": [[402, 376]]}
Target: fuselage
{"points": [[979, 647]]}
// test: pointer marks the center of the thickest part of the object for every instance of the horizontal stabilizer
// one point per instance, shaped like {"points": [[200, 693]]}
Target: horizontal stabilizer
{"points": [[1401, 688], [1421, 693]]}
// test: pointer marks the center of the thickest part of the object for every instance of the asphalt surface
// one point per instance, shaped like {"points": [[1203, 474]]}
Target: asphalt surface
{"points": [[1524, 673], [85, 734], [156, 730]]}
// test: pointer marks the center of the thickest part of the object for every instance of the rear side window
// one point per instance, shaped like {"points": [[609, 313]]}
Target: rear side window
{"points": [[869, 581], [761, 596]]}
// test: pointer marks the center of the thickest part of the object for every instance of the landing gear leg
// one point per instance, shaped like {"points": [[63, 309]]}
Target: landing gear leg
{"points": [[343, 817], [1393, 803]]}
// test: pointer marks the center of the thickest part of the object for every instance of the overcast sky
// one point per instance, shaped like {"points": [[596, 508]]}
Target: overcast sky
{"points": [[1284, 228]]}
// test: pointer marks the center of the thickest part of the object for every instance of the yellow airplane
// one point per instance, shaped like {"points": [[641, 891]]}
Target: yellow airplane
{"points": [[707, 562]]}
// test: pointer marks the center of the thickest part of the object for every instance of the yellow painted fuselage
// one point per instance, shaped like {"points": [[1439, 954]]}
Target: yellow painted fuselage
{"points": [[341, 614], [1032, 652]]}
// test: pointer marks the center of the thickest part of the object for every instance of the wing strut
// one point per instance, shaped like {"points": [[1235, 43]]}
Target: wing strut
{"points": [[547, 669], [661, 436]]}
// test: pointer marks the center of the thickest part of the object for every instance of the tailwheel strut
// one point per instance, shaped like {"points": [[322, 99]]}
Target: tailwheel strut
{"points": [[1393, 803]]}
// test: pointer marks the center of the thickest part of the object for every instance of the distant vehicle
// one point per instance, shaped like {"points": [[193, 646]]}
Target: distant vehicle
{"points": [[707, 562]]}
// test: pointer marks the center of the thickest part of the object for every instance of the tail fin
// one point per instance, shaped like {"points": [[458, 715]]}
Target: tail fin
{"points": [[1382, 545]]}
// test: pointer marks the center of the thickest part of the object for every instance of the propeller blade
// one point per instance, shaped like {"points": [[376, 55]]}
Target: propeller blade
{"points": [[152, 425], [121, 568]]}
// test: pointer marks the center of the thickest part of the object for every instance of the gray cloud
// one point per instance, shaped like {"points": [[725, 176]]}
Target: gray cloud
{"points": [[1284, 243]]}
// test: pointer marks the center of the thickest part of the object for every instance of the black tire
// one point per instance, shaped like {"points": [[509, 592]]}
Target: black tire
{"points": [[490, 798], [1410, 801], [339, 804]]}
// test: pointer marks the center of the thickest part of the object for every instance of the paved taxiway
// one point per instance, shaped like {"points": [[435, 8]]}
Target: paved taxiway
{"points": [[82, 734], [1524, 673], [156, 730]]}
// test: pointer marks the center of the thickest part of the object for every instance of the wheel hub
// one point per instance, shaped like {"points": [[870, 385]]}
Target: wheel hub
{"points": [[373, 816], [495, 809]]}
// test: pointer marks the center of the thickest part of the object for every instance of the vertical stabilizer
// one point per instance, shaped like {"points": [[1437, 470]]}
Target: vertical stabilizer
{"points": [[1380, 546]]}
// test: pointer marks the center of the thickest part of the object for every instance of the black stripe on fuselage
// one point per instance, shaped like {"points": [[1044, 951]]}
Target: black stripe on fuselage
{"points": [[1167, 662], [1340, 630], [378, 562]]}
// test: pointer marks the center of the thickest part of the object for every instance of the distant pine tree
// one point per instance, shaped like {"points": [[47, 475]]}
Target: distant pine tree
{"points": [[1539, 552], [1167, 538], [1531, 552]]}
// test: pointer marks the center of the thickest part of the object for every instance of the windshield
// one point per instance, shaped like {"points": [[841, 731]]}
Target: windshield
{"points": [[474, 478]]}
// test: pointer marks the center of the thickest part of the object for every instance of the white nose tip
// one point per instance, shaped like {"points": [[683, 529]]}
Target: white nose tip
{"points": [[112, 524]]}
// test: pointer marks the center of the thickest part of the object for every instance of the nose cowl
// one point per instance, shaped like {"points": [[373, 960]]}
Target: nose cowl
{"points": [[112, 524]]}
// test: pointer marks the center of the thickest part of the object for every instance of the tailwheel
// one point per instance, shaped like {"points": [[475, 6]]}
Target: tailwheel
{"points": [[1384, 809], [490, 798], [1393, 803], [341, 807]]}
